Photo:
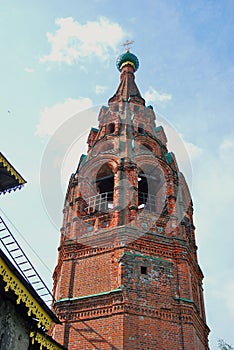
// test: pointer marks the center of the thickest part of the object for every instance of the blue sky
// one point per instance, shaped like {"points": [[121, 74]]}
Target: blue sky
{"points": [[58, 58]]}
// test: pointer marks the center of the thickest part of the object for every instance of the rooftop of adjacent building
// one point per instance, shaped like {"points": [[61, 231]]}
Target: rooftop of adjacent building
{"points": [[10, 178]]}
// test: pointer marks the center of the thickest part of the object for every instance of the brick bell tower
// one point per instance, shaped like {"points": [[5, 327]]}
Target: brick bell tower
{"points": [[127, 275]]}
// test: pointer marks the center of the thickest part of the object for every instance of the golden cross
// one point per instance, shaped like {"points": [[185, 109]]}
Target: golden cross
{"points": [[127, 44]]}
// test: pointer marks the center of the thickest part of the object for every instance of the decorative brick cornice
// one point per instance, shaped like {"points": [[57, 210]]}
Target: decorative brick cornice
{"points": [[106, 304], [90, 306]]}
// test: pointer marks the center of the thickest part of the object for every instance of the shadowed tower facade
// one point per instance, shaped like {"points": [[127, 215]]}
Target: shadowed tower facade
{"points": [[127, 275]]}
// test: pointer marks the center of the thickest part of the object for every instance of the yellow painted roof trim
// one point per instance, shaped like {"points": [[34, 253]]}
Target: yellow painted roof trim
{"points": [[44, 341], [11, 170], [127, 62], [24, 296]]}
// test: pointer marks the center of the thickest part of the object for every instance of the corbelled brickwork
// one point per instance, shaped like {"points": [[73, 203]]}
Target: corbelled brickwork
{"points": [[127, 275]]}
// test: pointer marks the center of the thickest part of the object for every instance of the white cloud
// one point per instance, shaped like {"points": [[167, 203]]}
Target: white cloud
{"points": [[99, 89], [229, 300], [227, 145], [52, 117], [185, 152], [73, 40], [193, 150], [29, 70], [214, 193], [152, 95], [213, 217]]}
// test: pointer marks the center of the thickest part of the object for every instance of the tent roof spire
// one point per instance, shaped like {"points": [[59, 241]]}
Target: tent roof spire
{"points": [[127, 63]]}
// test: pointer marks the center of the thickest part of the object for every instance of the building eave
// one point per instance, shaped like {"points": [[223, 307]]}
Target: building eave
{"points": [[25, 293], [10, 179]]}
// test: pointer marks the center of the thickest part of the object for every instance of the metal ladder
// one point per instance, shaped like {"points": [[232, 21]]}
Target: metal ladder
{"points": [[22, 263]]}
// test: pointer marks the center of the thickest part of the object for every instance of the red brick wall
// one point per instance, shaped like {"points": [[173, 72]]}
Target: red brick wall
{"points": [[103, 333], [93, 275], [149, 333]]}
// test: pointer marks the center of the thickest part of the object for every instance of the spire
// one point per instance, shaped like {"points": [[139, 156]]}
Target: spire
{"points": [[127, 63]]}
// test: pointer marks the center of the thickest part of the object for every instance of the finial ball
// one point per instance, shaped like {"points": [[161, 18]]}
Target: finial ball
{"points": [[127, 58]]}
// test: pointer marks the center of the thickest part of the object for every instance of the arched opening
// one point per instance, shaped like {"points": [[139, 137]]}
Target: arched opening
{"points": [[151, 189], [105, 179], [142, 189], [101, 147], [141, 129], [145, 148], [105, 188], [111, 128]]}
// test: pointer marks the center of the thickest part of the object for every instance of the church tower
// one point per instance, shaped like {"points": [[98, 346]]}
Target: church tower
{"points": [[127, 276]]}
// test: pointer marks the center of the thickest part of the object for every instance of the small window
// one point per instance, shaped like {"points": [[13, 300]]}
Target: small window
{"points": [[141, 129], [143, 270], [111, 128]]}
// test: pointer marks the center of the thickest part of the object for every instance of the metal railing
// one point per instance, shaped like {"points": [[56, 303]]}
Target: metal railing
{"points": [[147, 201], [102, 202]]}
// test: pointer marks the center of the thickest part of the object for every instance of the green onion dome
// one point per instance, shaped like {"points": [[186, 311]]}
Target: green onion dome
{"points": [[127, 58]]}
